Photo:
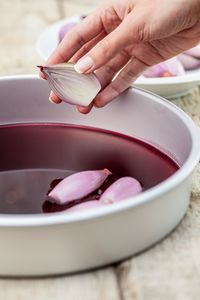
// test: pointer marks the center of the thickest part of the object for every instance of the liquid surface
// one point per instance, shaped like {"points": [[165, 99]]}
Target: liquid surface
{"points": [[34, 157]]}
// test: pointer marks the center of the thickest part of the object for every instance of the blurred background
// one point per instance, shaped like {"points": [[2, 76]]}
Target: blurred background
{"points": [[22, 21]]}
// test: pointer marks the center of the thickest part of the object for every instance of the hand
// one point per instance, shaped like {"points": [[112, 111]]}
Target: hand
{"points": [[124, 38]]}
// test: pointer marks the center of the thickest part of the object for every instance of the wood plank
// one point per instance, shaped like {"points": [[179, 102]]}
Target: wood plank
{"points": [[95, 285], [169, 270], [21, 23]]}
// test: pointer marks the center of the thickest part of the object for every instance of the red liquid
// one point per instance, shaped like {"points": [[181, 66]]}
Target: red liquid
{"points": [[34, 155]]}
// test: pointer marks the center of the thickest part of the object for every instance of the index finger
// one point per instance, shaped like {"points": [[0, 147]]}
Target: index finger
{"points": [[76, 38]]}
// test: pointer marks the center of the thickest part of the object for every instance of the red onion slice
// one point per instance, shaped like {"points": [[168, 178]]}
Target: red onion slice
{"points": [[70, 86]]}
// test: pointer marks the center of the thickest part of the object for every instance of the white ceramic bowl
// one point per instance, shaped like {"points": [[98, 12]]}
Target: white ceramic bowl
{"points": [[60, 243], [169, 87]]}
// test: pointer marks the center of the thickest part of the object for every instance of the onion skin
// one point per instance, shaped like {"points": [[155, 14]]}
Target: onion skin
{"points": [[189, 62], [85, 206], [171, 67], [65, 29], [121, 189], [78, 186]]}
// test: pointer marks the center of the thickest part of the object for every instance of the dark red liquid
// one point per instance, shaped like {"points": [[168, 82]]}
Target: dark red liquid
{"points": [[34, 155]]}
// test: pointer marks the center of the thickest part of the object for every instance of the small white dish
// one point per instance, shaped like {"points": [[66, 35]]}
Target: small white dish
{"points": [[168, 87]]}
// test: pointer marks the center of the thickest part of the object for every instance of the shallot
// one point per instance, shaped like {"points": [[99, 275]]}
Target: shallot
{"points": [[171, 67], [70, 86], [85, 205], [122, 188], [189, 62], [77, 186]]}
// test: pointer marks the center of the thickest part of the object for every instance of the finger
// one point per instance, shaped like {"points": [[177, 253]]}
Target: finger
{"points": [[54, 99], [84, 49], [84, 110], [106, 49], [125, 78], [83, 32], [106, 73], [41, 75], [87, 47]]}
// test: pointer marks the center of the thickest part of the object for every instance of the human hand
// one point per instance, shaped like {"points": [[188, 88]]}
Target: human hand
{"points": [[126, 37]]}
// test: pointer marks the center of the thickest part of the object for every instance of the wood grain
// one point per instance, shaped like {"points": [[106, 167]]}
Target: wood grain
{"points": [[96, 285]]}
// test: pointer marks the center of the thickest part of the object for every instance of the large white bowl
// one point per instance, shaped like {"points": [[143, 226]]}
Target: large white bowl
{"points": [[60, 243]]}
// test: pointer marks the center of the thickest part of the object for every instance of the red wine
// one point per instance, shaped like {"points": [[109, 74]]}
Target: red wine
{"points": [[36, 156]]}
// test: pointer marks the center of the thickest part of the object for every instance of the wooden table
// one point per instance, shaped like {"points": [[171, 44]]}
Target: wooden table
{"points": [[171, 269]]}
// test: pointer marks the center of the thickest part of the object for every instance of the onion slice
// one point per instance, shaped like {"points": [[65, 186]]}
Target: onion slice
{"points": [[70, 86]]}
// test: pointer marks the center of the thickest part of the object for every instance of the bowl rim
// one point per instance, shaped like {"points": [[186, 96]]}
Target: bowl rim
{"points": [[189, 77], [35, 220]]}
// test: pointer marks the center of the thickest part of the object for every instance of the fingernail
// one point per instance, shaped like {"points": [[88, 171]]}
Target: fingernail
{"points": [[84, 64], [51, 100]]}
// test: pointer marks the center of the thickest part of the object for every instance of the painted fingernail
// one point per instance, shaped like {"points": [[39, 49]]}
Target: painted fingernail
{"points": [[84, 64]]}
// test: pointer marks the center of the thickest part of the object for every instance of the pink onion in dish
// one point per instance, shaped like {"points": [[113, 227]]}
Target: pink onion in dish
{"points": [[171, 67], [194, 51], [85, 205], [122, 188], [77, 186], [189, 62], [70, 86], [65, 29]]}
